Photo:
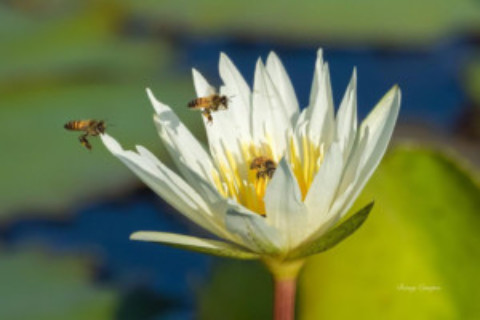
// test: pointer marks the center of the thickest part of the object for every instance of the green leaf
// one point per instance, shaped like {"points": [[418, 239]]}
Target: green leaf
{"points": [[334, 21], [334, 236]]}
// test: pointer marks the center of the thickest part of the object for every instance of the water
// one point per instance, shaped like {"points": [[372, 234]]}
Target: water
{"points": [[102, 229]]}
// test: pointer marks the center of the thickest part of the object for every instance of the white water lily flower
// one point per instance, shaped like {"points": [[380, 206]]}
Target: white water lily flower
{"points": [[323, 162]]}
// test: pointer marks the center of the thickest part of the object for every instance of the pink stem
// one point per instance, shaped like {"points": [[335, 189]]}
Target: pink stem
{"points": [[284, 303]]}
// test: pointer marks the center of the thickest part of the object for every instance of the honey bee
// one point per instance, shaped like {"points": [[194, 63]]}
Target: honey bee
{"points": [[209, 104], [264, 166], [89, 127]]}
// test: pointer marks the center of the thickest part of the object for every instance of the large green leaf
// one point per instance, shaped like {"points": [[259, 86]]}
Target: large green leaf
{"points": [[328, 20], [417, 257], [41, 287], [78, 45]]}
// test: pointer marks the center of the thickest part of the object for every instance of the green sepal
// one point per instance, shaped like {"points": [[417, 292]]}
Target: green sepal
{"points": [[334, 236], [206, 246]]}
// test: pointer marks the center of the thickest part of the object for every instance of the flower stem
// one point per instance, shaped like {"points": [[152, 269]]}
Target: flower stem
{"points": [[285, 275], [284, 300]]}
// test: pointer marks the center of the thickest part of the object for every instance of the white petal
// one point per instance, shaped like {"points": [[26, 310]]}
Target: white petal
{"points": [[188, 154], [253, 229], [169, 186], [377, 129], [283, 85], [202, 87], [380, 123], [320, 112], [218, 248], [270, 122], [207, 191], [324, 186], [233, 79], [316, 77], [225, 129], [352, 166], [347, 117], [284, 207], [238, 92]]}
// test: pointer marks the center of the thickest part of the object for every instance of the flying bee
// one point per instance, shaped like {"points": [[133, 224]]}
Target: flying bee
{"points": [[89, 127], [209, 104], [264, 166]]}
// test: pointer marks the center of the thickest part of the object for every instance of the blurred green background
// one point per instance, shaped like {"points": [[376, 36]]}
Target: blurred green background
{"points": [[66, 213]]}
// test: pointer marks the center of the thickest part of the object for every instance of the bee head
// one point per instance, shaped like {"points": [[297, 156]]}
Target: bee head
{"points": [[101, 126], [224, 101]]}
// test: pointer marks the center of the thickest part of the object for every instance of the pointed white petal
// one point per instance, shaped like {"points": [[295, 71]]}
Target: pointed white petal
{"points": [[270, 123], [218, 248], [380, 123], [284, 207], [202, 87], [316, 77], [239, 98], [207, 191], [347, 117], [254, 230], [324, 186], [234, 80], [283, 85], [376, 130], [169, 186], [188, 154], [225, 129], [320, 112]]}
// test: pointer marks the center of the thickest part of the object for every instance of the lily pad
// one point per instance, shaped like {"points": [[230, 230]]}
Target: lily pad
{"points": [[41, 287], [348, 21], [417, 256], [78, 45]]}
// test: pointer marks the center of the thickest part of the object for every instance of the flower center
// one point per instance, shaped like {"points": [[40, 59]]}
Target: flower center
{"points": [[245, 177]]}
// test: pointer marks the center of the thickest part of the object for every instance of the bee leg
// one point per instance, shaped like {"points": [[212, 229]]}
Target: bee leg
{"points": [[84, 141], [208, 115]]}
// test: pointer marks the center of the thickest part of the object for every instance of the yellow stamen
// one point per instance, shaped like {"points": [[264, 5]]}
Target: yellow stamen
{"points": [[237, 181]]}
